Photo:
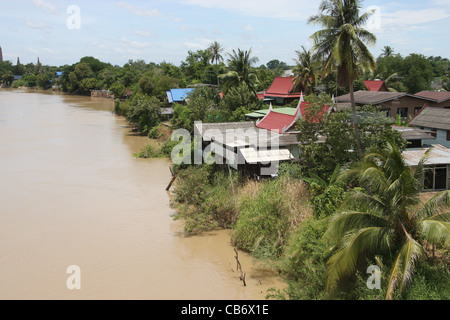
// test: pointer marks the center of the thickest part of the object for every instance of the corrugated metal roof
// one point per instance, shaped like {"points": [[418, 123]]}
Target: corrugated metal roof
{"points": [[438, 155], [431, 117], [178, 95], [410, 133], [251, 155]]}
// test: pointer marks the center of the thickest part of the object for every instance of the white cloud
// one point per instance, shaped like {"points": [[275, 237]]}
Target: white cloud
{"points": [[395, 21], [249, 28], [139, 11], [282, 9], [133, 44], [38, 25], [47, 6], [145, 33]]}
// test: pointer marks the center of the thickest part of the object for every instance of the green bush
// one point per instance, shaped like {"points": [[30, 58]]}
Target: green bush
{"points": [[304, 262], [326, 203], [205, 198], [266, 220]]}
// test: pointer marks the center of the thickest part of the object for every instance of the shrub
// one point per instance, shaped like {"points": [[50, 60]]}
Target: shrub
{"points": [[304, 262], [266, 220]]}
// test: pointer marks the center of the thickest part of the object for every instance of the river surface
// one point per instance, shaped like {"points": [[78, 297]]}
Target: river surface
{"points": [[71, 193]]}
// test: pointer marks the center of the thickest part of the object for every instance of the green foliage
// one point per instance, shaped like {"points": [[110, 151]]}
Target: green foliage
{"points": [[304, 261], [384, 218], [267, 217], [144, 113], [321, 158], [205, 198]]}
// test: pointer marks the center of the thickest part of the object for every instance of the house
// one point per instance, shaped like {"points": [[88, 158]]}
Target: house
{"points": [[282, 91], [440, 98], [178, 95], [393, 103], [376, 85], [435, 121], [437, 166], [254, 147], [414, 136]]}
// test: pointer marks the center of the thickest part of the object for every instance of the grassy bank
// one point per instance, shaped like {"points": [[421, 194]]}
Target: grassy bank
{"points": [[282, 223]]}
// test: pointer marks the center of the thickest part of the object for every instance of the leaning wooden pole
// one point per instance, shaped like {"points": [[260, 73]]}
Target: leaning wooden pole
{"points": [[174, 176]]}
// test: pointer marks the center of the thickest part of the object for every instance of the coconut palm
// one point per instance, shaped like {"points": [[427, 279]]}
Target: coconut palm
{"points": [[305, 70], [342, 45], [216, 54], [240, 64], [387, 51], [387, 220]]}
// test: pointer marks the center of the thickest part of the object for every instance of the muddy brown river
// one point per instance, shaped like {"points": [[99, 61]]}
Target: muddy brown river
{"points": [[72, 194]]}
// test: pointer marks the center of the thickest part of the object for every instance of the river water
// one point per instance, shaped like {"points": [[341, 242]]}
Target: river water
{"points": [[71, 193]]}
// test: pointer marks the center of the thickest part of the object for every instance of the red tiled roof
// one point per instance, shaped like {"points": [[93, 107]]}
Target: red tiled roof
{"points": [[276, 121], [282, 122], [435, 95], [282, 87], [260, 96], [375, 85]]}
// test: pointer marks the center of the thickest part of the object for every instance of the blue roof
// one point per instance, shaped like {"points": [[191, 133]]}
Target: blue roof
{"points": [[178, 95], [59, 73]]}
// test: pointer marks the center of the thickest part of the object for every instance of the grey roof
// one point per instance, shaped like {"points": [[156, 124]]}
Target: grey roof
{"points": [[411, 133], [435, 118], [376, 97], [250, 133]]}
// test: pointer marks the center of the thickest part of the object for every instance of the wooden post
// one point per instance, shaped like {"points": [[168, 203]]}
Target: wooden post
{"points": [[174, 176]]}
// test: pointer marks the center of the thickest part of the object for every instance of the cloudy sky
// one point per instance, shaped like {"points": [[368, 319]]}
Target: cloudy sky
{"points": [[61, 32]]}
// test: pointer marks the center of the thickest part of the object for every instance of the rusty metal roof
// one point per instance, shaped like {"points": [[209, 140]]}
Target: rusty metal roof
{"points": [[438, 155]]}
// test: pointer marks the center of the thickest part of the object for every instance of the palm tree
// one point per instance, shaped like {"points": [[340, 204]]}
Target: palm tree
{"points": [[342, 45], [306, 70], [240, 64], [216, 49], [387, 51], [388, 220]]}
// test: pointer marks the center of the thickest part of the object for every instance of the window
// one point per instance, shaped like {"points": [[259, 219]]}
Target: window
{"points": [[435, 178], [433, 132], [403, 112], [448, 135], [388, 112]]}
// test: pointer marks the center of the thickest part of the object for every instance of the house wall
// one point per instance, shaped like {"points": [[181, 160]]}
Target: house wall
{"points": [[412, 105], [441, 138]]}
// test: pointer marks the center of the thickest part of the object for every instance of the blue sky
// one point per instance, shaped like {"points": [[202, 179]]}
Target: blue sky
{"points": [[164, 30]]}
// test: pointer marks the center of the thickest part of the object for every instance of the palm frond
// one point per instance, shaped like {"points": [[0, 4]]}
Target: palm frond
{"points": [[436, 229], [403, 267], [349, 221], [367, 241]]}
